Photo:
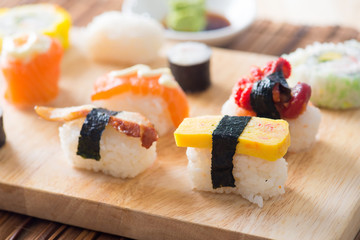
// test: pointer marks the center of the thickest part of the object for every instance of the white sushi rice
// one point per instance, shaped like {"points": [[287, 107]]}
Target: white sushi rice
{"points": [[121, 156], [255, 179], [152, 107], [230, 107], [124, 38], [303, 129]]}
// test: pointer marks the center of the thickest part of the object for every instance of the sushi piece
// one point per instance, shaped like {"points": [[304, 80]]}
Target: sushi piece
{"points": [[188, 15], [266, 93], [43, 18], [118, 37], [241, 155], [190, 64], [2, 131], [121, 144], [30, 64], [153, 93], [332, 71]]}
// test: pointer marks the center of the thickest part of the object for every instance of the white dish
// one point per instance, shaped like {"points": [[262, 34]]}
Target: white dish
{"points": [[240, 13]]}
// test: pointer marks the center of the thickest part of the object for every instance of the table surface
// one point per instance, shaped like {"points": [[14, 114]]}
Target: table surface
{"points": [[264, 36]]}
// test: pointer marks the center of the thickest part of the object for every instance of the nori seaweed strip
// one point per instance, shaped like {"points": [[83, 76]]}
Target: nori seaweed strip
{"points": [[91, 130], [224, 141], [261, 96], [2, 131]]}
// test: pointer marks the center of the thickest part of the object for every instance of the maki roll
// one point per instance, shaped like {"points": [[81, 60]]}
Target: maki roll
{"points": [[332, 71], [190, 64], [232, 154], [151, 92], [30, 63], [121, 144], [2, 131], [43, 18], [266, 93]]}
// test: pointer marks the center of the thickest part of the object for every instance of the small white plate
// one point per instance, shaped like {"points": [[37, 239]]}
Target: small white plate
{"points": [[240, 13]]}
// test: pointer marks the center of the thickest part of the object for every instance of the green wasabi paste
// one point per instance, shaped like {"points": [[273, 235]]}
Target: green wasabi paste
{"points": [[187, 15]]}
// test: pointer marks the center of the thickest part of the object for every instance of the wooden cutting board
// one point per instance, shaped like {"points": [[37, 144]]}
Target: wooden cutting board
{"points": [[322, 199]]}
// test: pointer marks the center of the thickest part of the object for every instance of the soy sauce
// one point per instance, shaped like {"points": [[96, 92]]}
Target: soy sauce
{"points": [[215, 21]]}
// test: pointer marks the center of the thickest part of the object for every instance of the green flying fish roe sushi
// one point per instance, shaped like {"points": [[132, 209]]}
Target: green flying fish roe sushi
{"points": [[332, 71]]}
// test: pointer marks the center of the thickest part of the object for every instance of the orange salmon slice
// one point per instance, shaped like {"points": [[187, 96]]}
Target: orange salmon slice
{"points": [[108, 86], [36, 81]]}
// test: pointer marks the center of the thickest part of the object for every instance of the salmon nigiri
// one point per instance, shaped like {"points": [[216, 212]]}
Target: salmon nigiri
{"points": [[30, 63], [154, 93]]}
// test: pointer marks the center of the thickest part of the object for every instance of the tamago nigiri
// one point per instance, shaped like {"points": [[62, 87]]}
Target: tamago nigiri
{"points": [[232, 154], [151, 92], [30, 63]]}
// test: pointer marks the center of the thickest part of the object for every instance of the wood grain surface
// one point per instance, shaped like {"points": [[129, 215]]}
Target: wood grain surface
{"points": [[322, 199]]}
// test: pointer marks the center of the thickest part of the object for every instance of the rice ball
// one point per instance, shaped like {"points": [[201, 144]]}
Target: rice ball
{"points": [[124, 38], [121, 156], [256, 179]]}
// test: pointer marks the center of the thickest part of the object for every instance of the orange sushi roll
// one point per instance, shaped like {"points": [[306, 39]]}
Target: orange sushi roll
{"points": [[31, 66], [154, 93]]}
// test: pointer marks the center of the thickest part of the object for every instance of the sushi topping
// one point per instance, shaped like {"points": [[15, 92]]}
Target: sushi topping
{"points": [[300, 95], [90, 134], [263, 138], [2, 131], [25, 45], [139, 70], [242, 92], [129, 71], [147, 134], [266, 92], [145, 83], [224, 142], [280, 65], [261, 96], [140, 127], [147, 73], [168, 80], [63, 114]]}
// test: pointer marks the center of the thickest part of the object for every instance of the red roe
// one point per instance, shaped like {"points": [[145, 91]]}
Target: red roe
{"points": [[279, 65], [242, 92], [292, 108]]}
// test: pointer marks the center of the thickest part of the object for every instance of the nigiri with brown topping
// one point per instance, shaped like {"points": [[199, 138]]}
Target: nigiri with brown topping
{"points": [[118, 143]]}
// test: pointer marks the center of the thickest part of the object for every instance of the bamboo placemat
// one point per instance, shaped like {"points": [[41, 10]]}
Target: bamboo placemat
{"points": [[271, 38], [263, 36]]}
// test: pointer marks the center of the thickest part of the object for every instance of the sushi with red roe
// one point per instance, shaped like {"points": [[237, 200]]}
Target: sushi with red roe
{"points": [[266, 93]]}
